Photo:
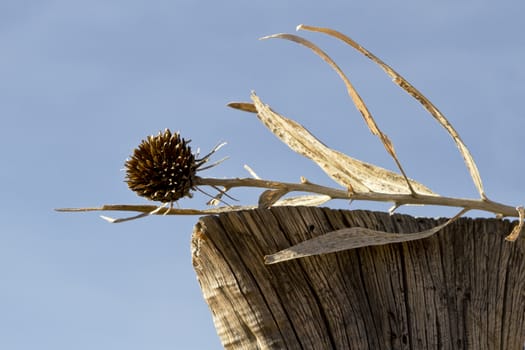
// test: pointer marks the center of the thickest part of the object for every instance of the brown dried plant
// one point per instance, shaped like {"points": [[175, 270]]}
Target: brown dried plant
{"points": [[360, 180]]}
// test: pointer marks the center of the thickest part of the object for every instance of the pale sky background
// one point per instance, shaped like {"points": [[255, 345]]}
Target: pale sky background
{"points": [[83, 82]]}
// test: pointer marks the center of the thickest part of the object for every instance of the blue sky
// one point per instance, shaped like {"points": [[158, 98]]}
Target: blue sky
{"points": [[83, 82]]}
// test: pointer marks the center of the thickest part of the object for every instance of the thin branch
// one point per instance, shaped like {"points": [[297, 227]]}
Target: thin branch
{"points": [[398, 199], [499, 209]]}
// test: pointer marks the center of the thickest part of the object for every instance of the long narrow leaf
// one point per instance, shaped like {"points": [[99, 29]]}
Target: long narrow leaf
{"points": [[425, 102], [352, 92], [350, 238]]}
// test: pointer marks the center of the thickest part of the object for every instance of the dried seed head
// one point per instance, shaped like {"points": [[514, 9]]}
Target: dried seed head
{"points": [[162, 168]]}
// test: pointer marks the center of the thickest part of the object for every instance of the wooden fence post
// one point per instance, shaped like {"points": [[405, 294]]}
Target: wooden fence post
{"points": [[463, 288]]}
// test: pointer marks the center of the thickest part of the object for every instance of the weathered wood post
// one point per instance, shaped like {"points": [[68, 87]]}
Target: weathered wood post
{"points": [[463, 288]]}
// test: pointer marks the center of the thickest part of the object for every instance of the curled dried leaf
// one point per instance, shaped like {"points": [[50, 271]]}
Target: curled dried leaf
{"points": [[269, 197], [519, 226]]}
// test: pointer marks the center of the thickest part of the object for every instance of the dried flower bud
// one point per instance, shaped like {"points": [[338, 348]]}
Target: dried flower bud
{"points": [[162, 168]]}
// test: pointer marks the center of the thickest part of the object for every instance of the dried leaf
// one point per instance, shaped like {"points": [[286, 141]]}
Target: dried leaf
{"points": [[345, 170], [425, 102], [306, 200], [349, 238], [352, 92], [269, 197], [243, 106], [519, 227]]}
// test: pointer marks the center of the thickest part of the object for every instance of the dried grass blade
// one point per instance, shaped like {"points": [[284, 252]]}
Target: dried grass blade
{"points": [[519, 227], [349, 172], [411, 90], [350, 238], [352, 92]]}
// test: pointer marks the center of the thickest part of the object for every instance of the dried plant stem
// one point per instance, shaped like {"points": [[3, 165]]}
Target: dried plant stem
{"points": [[501, 210], [398, 199]]}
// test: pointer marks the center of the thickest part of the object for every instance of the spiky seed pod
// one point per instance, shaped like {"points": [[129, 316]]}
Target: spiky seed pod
{"points": [[162, 168]]}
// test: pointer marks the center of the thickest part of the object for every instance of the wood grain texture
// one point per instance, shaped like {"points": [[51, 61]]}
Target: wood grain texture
{"points": [[463, 288]]}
